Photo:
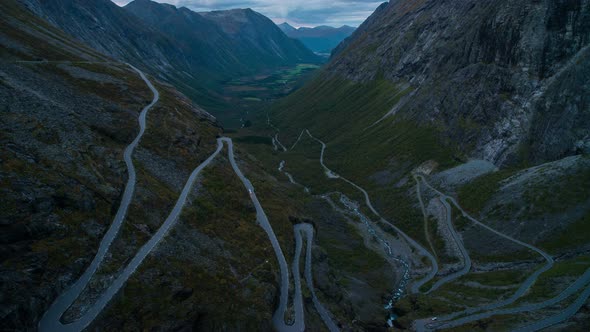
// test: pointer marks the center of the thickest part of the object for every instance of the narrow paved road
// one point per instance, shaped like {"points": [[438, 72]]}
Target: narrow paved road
{"points": [[51, 319], [447, 320], [307, 229], [434, 270], [574, 288], [470, 314], [278, 317], [328, 171], [566, 313], [457, 238], [425, 215], [146, 249]]}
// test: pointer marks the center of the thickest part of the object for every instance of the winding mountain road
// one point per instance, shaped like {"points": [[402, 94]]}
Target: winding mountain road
{"points": [[566, 313], [447, 320], [489, 310], [425, 215], [434, 270], [51, 319], [278, 318], [307, 230], [457, 238], [582, 281]]}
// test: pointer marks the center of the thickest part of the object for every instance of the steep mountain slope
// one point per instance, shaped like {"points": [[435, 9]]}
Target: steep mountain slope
{"points": [[512, 73], [237, 43], [506, 83], [111, 30], [286, 27], [320, 39], [488, 101], [68, 114], [257, 40], [177, 45], [107, 28]]}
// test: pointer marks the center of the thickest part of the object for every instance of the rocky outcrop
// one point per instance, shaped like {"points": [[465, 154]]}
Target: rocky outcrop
{"points": [[511, 77]]}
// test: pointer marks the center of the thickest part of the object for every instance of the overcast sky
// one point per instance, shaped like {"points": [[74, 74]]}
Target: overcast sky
{"points": [[296, 12]]}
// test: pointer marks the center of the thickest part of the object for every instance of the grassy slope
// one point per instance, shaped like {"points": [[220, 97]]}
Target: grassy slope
{"points": [[39, 40], [341, 114], [338, 244], [233, 268], [94, 171], [174, 134]]}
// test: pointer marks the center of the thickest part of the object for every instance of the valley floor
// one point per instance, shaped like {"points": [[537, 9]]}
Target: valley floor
{"points": [[507, 298]]}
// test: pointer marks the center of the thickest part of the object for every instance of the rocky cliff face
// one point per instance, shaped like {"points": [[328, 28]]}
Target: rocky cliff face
{"points": [[510, 76]]}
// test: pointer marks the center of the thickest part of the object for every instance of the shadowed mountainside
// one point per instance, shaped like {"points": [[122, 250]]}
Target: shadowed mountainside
{"points": [[185, 48], [68, 112], [320, 39], [490, 101]]}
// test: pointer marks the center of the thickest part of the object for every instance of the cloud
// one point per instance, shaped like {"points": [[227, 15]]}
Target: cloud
{"points": [[296, 12]]}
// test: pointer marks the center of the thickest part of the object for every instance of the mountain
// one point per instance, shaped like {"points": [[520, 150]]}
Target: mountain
{"points": [[107, 28], [233, 42], [256, 37], [321, 39], [68, 115], [111, 30], [514, 96], [488, 102], [192, 51], [71, 114], [435, 174], [286, 28], [196, 38]]}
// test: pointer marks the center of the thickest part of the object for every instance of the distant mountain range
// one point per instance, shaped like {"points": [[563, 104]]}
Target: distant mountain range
{"points": [[193, 51], [321, 39]]}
